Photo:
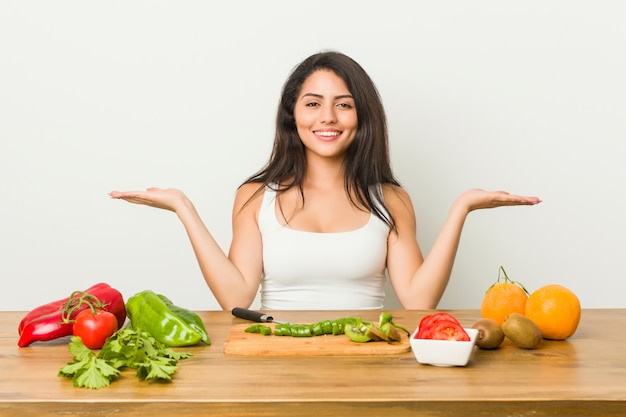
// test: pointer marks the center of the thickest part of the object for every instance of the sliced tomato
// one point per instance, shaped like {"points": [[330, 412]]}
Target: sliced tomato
{"points": [[449, 330], [428, 322]]}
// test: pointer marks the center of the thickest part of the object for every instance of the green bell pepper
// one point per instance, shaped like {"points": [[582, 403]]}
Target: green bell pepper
{"points": [[149, 312], [189, 316]]}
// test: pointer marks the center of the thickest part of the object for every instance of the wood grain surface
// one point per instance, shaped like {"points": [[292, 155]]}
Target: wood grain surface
{"points": [[582, 376]]}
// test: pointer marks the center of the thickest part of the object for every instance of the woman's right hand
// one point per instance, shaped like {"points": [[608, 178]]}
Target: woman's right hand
{"points": [[168, 199]]}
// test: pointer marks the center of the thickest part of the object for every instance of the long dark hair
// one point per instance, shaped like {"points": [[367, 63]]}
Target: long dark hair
{"points": [[367, 158]]}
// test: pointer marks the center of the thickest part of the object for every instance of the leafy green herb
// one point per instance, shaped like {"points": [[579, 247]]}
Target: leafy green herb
{"points": [[87, 370], [130, 348]]}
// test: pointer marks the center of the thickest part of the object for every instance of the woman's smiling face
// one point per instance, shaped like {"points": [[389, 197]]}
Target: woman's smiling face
{"points": [[325, 114]]}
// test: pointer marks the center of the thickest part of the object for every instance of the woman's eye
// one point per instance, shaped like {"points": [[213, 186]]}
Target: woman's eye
{"points": [[345, 105], [312, 104]]}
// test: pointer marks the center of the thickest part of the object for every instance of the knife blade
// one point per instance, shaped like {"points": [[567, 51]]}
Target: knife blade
{"points": [[256, 316]]}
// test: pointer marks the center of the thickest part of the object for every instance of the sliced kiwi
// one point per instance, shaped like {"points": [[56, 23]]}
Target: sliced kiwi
{"points": [[490, 334], [376, 334], [392, 332], [357, 332]]}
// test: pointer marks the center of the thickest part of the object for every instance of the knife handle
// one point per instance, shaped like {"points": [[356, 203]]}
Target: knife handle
{"points": [[246, 314]]}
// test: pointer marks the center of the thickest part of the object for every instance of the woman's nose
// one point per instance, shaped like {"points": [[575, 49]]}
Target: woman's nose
{"points": [[328, 114]]}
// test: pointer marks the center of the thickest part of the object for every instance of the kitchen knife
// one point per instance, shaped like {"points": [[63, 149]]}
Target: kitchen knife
{"points": [[252, 315]]}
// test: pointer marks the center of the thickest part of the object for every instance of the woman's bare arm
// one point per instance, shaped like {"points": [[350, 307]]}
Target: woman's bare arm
{"points": [[233, 280], [420, 282]]}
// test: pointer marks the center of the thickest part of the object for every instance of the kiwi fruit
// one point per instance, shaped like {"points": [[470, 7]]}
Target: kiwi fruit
{"points": [[522, 331], [376, 334], [490, 333], [357, 332], [388, 333]]}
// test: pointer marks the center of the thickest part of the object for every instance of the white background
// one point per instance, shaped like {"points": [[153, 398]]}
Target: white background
{"points": [[528, 97]]}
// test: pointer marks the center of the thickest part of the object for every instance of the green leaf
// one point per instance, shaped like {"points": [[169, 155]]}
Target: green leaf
{"points": [[132, 348], [105, 369], [156, 369], [96, 375], [78, 350], [171, 353], [73, 367]]}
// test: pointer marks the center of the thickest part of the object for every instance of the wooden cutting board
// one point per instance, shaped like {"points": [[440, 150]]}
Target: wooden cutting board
{"points": [[254, 344]]}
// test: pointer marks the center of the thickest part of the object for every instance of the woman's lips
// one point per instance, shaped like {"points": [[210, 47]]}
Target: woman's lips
{"points": [[327, 135]]}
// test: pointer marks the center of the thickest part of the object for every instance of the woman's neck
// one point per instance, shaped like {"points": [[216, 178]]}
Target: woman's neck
{"points": [[324, 173]]}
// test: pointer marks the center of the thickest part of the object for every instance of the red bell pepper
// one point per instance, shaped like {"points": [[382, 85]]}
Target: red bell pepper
{"points": [[54, 306], [52, 321]]}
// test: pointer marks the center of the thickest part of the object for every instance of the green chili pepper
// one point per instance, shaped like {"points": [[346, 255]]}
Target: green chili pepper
{"points": [[384, 318], [388, 326], [301, 330], [282, 329], [147, 311], [330, 327], [295, 330], [327, 325], [317, 329], [189, 316], [260, 328], [253, 329]]}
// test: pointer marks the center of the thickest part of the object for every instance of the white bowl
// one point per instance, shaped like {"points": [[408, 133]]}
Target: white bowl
{"points": [[443, 352]]}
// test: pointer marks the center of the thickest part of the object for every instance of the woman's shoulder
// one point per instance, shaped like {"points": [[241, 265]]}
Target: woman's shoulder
{"points": [[250, 188], [395, 193], [397, 199], [249, 194]]}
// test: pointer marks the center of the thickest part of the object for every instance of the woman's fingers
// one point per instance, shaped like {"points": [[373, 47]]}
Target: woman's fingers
{"points": [[167, 199], [480, 199]]}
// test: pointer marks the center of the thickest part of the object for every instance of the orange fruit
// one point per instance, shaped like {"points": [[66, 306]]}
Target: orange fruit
{"points": [[555, 310], [503, 298]]}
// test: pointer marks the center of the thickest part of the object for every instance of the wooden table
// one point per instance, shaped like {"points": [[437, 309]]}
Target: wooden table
{"points": [[585, 375]]}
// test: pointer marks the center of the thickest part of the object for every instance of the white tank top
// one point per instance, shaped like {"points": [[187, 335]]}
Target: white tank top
{"points": [[321, 271]]}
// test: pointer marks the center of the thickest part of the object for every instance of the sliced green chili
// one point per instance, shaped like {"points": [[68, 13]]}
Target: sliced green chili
{"points": [[282, 329], [325, 327], [260, 328]]}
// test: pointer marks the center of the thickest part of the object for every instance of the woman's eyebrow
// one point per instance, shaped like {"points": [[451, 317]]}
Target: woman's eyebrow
{"points": [[321, 96]]}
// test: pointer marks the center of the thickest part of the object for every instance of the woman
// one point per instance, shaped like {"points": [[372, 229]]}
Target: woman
{"points": [[325, 221]]}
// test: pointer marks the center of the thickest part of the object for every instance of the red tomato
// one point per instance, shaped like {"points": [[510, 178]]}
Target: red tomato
{"points": [[428, 322], [449, 330], [94, 329], [441, 326]]}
